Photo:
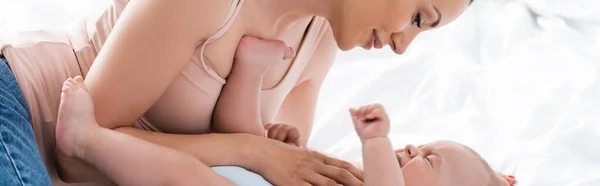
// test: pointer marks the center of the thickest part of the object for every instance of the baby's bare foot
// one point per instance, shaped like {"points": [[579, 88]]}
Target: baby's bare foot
{"points": [[257, 55], [76, 123]]}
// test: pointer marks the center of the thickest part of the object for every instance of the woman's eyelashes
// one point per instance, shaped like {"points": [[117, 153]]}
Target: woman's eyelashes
{"points": [[417, 20]]}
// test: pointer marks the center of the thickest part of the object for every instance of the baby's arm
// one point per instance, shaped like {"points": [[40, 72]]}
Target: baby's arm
{"points": [[380, 163]]}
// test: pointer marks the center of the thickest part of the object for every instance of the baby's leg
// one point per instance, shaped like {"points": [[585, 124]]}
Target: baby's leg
{"points": [[238, 107], [126, 160]]}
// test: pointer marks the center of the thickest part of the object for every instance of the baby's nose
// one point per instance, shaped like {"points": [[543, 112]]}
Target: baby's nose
{"points": [[411, 151]]}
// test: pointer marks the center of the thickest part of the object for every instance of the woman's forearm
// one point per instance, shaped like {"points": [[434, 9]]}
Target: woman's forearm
{"points": [[272, 160], [211, 149], [380, 165]]}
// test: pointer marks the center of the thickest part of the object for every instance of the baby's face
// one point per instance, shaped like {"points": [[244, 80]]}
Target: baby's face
{"points": [[441, 163]]}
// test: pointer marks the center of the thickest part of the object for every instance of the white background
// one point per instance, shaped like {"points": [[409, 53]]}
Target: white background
{"points": [[515, 80]]}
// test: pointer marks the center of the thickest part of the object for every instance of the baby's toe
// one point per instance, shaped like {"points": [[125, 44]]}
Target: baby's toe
{"points": [[79, 79], [67, 85]]}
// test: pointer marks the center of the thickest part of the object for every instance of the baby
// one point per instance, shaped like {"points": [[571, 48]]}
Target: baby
{"points": [[441, 163]]}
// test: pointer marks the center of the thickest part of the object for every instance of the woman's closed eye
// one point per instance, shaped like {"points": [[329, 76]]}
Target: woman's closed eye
{"points": [[417, 20]]}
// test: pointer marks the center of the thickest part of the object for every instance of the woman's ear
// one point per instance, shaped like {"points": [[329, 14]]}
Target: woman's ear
{"points": [[507, 180]]}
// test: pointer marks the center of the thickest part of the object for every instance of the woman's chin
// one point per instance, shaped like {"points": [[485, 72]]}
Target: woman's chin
{"points": [[343, 42], [345, 46]]}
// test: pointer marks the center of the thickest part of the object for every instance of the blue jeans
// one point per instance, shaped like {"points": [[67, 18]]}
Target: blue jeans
{"points": [[20, 160]]}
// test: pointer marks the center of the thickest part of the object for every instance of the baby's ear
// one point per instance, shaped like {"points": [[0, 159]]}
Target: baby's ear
{"points": [[506, 180]]}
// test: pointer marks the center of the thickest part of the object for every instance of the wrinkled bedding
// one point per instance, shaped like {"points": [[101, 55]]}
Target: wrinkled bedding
{"points": [[515, 80]]}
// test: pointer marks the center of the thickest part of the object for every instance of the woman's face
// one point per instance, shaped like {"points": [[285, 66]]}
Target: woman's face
{"points": [[376, 23]]}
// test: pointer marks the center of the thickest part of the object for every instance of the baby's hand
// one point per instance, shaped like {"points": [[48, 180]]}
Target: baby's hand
{"points": [[284, 133], [258, 55], [370, 121]]}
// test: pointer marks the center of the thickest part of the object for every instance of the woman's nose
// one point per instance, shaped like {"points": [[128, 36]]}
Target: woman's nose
{"points": [[412, 151], [397, 27], [401, 41]]}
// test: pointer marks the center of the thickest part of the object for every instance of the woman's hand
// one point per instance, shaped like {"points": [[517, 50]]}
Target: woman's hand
{"points": [[283, 164]]}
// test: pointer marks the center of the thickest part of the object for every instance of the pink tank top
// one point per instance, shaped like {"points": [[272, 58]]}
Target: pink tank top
{"points": [[42, 60]]}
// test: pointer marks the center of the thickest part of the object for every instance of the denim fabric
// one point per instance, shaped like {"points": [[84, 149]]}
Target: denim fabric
{"points": [[20, 160]]}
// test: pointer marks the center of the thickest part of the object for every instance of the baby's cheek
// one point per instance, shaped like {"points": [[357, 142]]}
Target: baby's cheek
{"points": [[418, 174]]}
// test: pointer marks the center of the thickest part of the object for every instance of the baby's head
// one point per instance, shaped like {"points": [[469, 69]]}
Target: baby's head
{"points": [[447, 163]]}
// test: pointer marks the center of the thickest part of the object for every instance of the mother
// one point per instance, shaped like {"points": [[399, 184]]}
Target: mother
{"points": [[158, 74]]}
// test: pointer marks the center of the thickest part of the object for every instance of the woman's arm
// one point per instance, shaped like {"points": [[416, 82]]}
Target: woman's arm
{"points": [[148, 47], [298, 109], [279, 163], [225, 149], [150, 44]]}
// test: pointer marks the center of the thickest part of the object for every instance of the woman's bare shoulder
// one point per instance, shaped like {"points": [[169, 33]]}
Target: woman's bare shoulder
{"points": [[202, 13], [150, 44], [322, 59]]}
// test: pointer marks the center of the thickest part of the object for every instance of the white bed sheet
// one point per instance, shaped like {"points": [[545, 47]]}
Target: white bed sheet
{"points": [[515, 80]]}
